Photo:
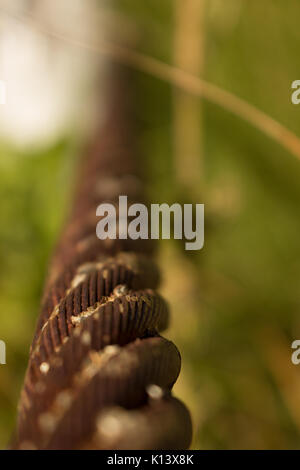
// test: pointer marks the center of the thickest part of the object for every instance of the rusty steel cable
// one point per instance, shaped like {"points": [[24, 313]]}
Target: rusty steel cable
{"points": [[99, 374]]}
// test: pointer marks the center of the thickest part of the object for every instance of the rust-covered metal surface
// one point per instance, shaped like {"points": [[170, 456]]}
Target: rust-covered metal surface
{"points": [[99, 374]]}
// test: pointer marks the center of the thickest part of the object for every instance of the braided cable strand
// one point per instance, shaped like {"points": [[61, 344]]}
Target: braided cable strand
{"points": [[99, 374]]}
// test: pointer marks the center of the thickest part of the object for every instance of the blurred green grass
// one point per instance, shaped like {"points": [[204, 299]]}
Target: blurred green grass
{"points": [[33, 200], [240, 293]]}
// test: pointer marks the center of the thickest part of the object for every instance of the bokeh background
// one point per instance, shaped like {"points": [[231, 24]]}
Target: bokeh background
{"points": [[236, 303]]}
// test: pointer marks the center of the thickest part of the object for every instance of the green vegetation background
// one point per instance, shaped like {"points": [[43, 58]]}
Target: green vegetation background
{"points": [[236, 303]]}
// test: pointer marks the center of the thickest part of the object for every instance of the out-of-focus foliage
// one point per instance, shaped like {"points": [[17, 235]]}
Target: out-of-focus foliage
{"points": [[33, 193], [236, 303]]}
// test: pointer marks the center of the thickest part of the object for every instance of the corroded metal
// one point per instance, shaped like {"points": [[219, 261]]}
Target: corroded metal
{"points": [[99, 373]]}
